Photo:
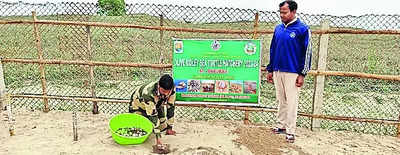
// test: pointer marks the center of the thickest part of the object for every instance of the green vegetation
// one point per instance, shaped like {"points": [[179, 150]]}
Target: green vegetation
{"points": [[111, 7]]}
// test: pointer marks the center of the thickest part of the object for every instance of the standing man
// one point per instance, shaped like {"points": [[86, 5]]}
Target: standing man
{"points": [[290, 60], [149, 101]]}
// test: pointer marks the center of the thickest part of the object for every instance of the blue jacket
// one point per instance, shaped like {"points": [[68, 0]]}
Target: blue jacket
{"points": [[291, 48]]}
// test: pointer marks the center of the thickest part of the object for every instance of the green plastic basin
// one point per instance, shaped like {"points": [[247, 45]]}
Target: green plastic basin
{"points": [[130, 120]]}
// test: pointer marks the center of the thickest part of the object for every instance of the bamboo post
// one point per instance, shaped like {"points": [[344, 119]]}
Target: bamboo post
{"points": [[74, 119], [75, 125], [246, 117], [161, 42], [247, 113], [398, 128], [11, 127], [255, 26], [5, 100], [318, 97], [41, 66], [91, 70], [2, 86]]}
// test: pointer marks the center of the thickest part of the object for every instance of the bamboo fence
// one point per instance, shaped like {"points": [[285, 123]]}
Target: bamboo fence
{"points": [[255, 32]]}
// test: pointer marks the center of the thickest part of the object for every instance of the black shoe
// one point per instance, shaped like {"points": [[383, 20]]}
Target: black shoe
{"points": [[279, 130]]}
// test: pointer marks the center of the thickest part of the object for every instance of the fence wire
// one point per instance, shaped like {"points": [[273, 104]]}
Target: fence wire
{"points": [[343, 96]]}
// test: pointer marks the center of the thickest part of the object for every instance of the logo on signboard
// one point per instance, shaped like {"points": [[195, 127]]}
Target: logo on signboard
{"points": [[178, 47], [215, 45], [250, 48]]}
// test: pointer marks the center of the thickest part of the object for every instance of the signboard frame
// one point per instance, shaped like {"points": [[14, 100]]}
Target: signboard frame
{"points": [[181, 48]]}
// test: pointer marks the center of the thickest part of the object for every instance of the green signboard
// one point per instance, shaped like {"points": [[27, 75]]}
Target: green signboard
{"points": [[223, 72]]}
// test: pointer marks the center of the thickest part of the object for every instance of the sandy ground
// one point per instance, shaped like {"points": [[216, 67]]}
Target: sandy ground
{"points": [[39, 133]]}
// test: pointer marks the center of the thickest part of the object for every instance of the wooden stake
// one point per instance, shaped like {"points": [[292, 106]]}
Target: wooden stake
{"points": [[2, 86], [319, 81], [246, 113], [41, 66], [75, 125], [11, 122], [161, 61], [161, 39], [398, 128], [255, 26], [95, 109], [246, 117]]}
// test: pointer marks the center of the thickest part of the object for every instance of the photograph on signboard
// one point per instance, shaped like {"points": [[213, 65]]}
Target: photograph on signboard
{"points": [[207, 86], [236, 86], [250, 87], [181, 85], [221, 86], [194, 85]]}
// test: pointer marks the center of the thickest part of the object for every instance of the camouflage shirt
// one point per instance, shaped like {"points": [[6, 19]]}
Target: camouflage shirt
{"points": [[147, 101]]}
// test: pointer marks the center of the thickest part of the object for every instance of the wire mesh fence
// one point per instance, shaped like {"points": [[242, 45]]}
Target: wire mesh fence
{"points": [[343, 96]]}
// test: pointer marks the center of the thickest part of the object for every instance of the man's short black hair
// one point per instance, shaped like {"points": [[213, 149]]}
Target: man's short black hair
{"points": [[166, 82], [292, 4]]}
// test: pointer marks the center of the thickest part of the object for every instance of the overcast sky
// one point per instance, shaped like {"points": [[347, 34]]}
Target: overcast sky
{"points": [[331, 7]]}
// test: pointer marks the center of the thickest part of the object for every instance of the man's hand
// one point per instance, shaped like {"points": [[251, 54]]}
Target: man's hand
{"points": [[300, 80], [170, 132], [270, 76], [161, 148]]}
